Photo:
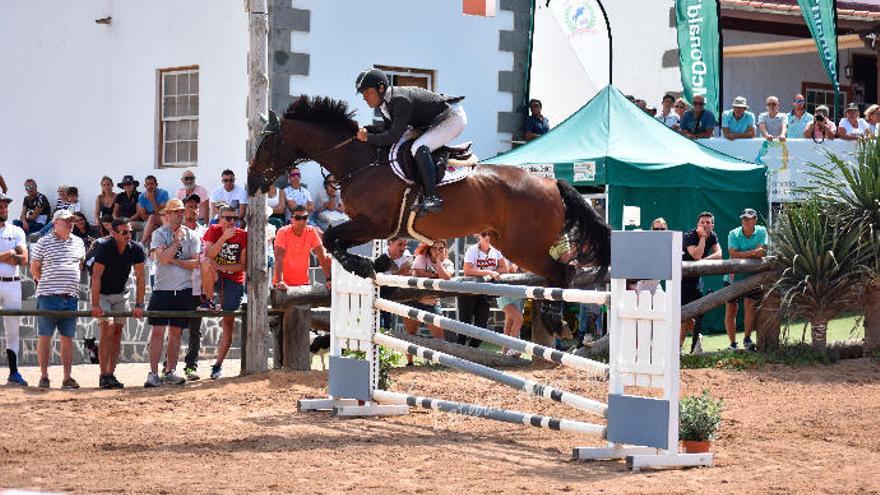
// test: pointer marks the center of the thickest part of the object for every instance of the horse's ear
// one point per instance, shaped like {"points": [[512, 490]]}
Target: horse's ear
{"points": [[263, 119], [273, 124]]}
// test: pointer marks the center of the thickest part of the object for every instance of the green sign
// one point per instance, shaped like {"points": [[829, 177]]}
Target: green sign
{"points": [[819, 15], [699, 50]]}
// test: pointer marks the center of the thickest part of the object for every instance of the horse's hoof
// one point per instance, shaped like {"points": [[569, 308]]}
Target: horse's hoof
{"points": [[363, 268]]}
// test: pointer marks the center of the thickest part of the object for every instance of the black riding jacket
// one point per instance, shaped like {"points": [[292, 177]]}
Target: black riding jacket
{"points": [[406, 106]]}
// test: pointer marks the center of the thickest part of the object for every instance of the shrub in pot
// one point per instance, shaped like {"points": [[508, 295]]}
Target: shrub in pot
{"points": [[699, 420]]}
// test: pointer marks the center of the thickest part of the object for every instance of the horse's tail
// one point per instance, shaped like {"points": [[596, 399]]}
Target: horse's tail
{"points": [[585, 225]]}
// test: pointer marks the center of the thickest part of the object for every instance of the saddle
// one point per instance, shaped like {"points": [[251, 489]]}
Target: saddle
{"points": [[401, 156]]}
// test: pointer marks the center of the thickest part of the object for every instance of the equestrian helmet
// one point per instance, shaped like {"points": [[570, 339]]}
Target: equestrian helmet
{"points": [[370, 79]]}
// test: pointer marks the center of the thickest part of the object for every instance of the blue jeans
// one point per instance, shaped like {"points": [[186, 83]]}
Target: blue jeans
{"points": [[46, 325], [32, 226], [583, 317]]}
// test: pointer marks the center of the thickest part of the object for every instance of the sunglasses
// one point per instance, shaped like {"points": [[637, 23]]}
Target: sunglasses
{"points": [[230, 218], [190, 179], [294, 175], [699, 104], [300, 217], [657, 228], [228, 180], [30, 188], [800, 101], [123, 232]]}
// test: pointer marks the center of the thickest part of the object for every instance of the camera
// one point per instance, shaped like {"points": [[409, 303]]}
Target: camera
{"points": [[820, 118]]}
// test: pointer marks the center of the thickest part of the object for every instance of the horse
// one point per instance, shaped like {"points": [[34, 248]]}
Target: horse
{"points": [[525, 215]]}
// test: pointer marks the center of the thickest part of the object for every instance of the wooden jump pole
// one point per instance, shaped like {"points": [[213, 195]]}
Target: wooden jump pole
{"points": [[532, 388], [552, 355], [497, 414]]}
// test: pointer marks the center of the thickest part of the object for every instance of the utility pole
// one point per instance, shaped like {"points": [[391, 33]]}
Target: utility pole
{"points": [[257, 349]]}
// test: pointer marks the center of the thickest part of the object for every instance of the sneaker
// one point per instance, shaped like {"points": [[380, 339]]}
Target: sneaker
{"points": [[172, 378], [44, 382], [191, 374], [749, 345], [114, 383], [206, 305], [153, 380], [216, 372], [733, 347], [698, 346], [16, 379], [104, 382], [70, 383]]}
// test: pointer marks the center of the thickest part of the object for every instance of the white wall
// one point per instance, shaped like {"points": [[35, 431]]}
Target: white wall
{"points": [[756, 78], [80, 98], [348, 36]]}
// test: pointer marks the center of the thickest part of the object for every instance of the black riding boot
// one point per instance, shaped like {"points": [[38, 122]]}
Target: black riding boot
{"points": [[12, 359], [430, 203]]}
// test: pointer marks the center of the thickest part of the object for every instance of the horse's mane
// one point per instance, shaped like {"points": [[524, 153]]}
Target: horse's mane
{"points": [[322, 110]]}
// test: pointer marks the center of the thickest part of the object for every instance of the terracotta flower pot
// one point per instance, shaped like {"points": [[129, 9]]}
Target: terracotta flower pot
{"points": [[695, 446]]}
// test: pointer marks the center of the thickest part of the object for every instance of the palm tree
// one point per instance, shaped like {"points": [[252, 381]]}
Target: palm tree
{"points": [[852, 191], [822, 264]]}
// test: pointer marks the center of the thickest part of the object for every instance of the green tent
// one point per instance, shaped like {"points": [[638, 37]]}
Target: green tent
{"points": [[612, 143]]}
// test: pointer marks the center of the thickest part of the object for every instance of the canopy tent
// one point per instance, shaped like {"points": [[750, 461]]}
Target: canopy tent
{"points": [[613, 143]]}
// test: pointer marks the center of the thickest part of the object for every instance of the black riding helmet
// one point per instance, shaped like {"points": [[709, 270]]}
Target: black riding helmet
{"points": [[370, 79]]}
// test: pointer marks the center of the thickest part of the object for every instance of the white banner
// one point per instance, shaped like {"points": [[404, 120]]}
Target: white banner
{"points": [[786, 161], [570, 56]]}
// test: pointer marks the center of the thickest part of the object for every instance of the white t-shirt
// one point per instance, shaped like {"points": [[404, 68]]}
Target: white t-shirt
{"points": [[481, 260], [669, 120], [862, 129], [423, 262], [197, 273], [11, 236], [405, 258], [302, 196], [236, 194]]}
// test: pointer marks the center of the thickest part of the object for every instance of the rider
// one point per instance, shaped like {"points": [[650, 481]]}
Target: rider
{"points": [[440, 118]]}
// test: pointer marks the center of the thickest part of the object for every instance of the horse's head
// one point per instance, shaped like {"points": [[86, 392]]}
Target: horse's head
{"points": [[267, 163]]}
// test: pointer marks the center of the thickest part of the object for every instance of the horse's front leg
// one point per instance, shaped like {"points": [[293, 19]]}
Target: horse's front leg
{"points": [[340, 238]]}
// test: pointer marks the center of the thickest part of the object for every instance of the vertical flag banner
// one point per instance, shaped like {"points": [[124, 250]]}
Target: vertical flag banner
{"points": [[820, 18], [571, 55], [699, 50]]}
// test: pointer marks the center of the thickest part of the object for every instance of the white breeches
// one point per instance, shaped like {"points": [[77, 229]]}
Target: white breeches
{"points": [[444, 132], [10, 298]]}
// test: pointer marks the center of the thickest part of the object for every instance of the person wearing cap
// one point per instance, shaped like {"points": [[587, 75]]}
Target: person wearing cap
{"points": [[192, 205], [851, 126], [738, 122], [35, 209], [798, 119], [13, 254], [772, 123], [223, 270], [821, 127], [56, 262], [698, 123], [125, 203], [188, 178], [176, 251], [746, 241], [111, 267]]}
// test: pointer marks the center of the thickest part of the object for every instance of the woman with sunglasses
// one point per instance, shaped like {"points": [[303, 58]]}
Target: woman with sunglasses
{"points": [[105, 200], [430, 262], [329, 210], [798, 119]]}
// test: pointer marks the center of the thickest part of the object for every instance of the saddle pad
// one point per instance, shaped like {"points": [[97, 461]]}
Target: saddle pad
{"points": [[451, 176]]}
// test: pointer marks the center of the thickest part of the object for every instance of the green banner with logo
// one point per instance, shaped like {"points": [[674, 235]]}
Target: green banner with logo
{"points": [[699, 50], [820, 18]]}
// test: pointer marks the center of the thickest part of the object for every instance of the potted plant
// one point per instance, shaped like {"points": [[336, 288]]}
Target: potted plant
{"points": [[698, 420]]}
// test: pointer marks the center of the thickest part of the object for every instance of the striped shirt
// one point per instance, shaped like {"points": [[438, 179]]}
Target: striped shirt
{"points": [[60, 261]]}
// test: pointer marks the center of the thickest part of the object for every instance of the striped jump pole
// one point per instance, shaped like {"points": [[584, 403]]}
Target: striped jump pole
{"points": [[478, 411], [515, 291], [528, 386], [552, 355]]}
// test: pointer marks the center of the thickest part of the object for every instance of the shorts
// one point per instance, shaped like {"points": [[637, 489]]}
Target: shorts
{"points": [[230, 292], [171, 300], [435, 309], [504, 301], [113, 302], [755, 294], [690, 293], [46, 325]]}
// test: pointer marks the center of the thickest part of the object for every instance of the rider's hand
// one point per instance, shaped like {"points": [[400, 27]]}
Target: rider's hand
{"points": [[362, 134]]}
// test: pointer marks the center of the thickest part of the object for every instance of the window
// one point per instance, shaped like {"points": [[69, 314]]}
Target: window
{"points": [[402, 76], [823, 94], [179, 117]]}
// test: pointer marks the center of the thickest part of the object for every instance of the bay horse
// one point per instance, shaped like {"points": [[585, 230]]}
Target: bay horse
{"points": [[524, 214]]}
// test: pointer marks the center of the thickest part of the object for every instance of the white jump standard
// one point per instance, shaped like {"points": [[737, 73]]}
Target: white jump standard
{"points": [[644, 352]]}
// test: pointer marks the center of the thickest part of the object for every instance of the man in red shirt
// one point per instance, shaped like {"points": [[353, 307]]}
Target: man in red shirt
{"points": [[293, 243], [223, 266]]}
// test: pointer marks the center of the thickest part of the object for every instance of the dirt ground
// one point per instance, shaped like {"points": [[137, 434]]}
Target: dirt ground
{"points": [[785, 430]]}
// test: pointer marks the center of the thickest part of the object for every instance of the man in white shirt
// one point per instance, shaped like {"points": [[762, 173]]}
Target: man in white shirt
{"points": [[667, 115], [13, 253], [296, 193], [229, 193]]}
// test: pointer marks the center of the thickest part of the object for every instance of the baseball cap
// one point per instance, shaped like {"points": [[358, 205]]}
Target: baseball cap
{"points": [[852, 106], [749, 213], [4, 198], [173, 205], [740, 102]]}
